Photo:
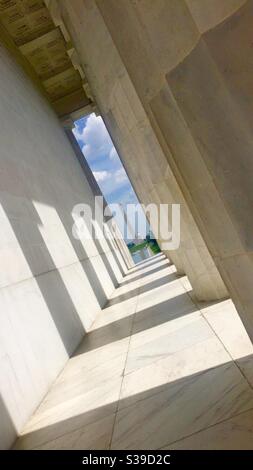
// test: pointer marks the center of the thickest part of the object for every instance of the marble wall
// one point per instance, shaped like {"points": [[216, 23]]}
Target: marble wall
{"points": [[51, 285]]}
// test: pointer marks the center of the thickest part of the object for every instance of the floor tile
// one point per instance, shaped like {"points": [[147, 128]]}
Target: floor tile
{"points": [[153, 347], [181, 408], [51, 422], [163, 312], [94, 358], [92, 437], [196, 359], [161, 367], [233, 434], [228, 326], [85, 381]]}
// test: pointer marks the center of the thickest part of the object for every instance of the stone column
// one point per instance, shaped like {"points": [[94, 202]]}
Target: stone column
{"points": [[124, 111], [189, 62]]}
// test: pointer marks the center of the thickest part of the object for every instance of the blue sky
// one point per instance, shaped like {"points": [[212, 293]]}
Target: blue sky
{"points": [[101, 155], [103, 160]]}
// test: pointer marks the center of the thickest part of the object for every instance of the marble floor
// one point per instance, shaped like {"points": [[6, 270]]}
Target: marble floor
{"points": [[156, 371]]}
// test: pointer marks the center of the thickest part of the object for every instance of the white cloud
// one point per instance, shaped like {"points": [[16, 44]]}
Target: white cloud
{"points": [[111, 180], [95, 138], [78, 135], [113, 154], [120, 176], [101, 155], [101, 175]]}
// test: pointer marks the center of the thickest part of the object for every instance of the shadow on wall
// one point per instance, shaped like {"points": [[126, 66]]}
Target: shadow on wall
{"points": [[71, 305], [81, 252], [48, 278], [67, 304], [8, 432], [107, 263], [114, 250]]}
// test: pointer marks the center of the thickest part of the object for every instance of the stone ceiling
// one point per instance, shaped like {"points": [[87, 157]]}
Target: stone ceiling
{"points": [[32, 30]]}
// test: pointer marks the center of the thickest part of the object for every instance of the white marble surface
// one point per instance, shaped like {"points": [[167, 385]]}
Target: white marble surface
{"points": [[92, 437], [181, 408], [234, 434], [155, 369], [193, 360], [52, 286]]}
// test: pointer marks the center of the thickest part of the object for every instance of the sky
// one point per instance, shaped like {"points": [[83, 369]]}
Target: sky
{"points": [[103, 160], [101, 155]]}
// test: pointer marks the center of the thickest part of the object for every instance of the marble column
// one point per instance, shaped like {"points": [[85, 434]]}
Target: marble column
{"points": [[189, 62], [124, 111]]}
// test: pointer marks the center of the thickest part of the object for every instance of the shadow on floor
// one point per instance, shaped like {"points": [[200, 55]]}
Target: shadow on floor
{"points": [[154, 418], [147, 262], [186, 395], [141, 276], [145, 319], [145, 288]]}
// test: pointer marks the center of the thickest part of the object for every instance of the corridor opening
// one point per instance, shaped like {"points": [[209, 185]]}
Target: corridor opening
{"points": [[106, 166]]}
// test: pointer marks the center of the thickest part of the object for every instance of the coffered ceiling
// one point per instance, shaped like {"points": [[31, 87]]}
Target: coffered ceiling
{"points": [[35, 35]]}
